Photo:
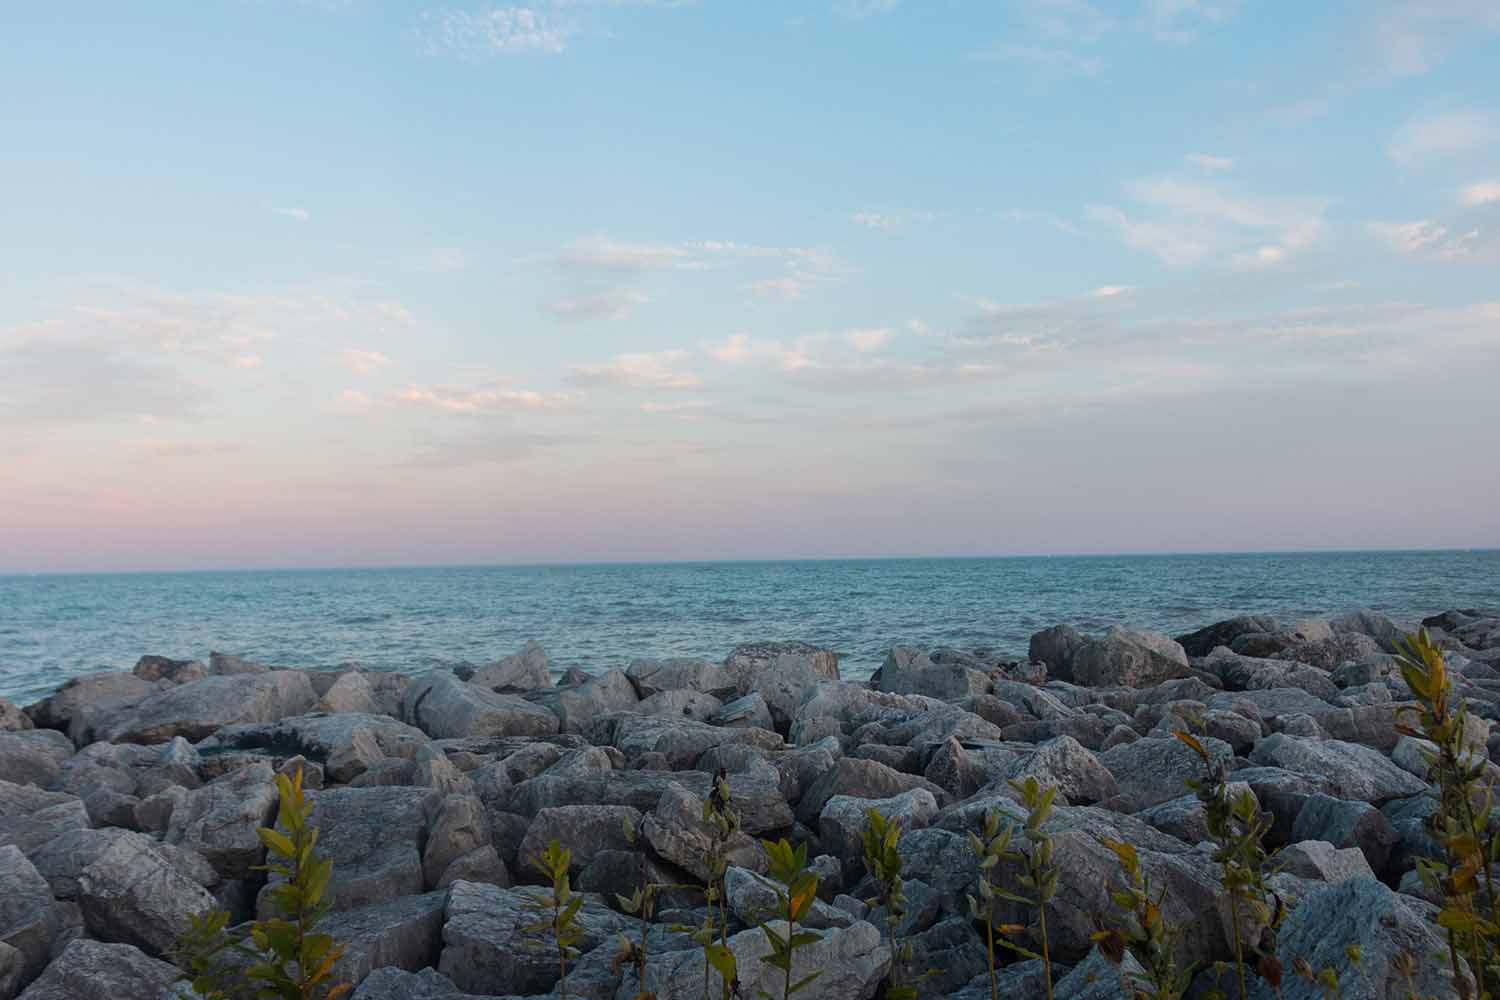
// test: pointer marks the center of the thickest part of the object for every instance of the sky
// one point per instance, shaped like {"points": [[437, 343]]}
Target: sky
{"points": [[349, 282]]}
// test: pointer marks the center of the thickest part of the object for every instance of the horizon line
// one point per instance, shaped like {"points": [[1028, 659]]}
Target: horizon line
{"points": [[589, 563]]}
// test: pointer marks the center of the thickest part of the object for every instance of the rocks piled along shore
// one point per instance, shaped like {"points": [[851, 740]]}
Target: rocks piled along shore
{"points": [[130, 801]]}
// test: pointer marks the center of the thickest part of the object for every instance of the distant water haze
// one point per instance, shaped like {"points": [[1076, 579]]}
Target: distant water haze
{"points": [[599, 617]]}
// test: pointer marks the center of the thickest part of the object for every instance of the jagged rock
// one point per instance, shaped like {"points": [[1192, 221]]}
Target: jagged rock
{"points": [[1064, 764], [95, 970], [748, 712], [784, 683], [1269, 704], [219, 820], [483, 864], [1246, 673], [852, 961], [62, 709], [691, 705], [62, 860], [153, 814], [1125, 657], [1320, 860], [683, 741], [585, 829], [29, 817], [844, 816], [12, 719], [676, 832], [1364, 621], [163, 668], [752, 899], [600, 695], [345, 745], [130, 894], [1185, 817], [432, 769], [1097, 978], [443, 707], [1350, 770], [758, 801], [351, 694], [910, 671], [1205, 640], [27, 917], [459, 826], [1343, 823], [485, 942], [526, 670], [404, 933], [197, 709], [949, 955], [1056, 647], [374, 836], [861, 779], [398, 984], [1155, 770], [751, 658], [1361, 911], [681, 674], [33, 756]]}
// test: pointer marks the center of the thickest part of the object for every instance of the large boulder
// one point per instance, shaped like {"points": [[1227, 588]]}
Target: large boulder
{"points": [[95, 970], [851, 962], [577, 704], [404, 933], [1350, 770], [28, 920], [131, 895], [12, 719], [677, 833], [1247, 673], [33, 756], [459, 826], [750, 658], [486, 945], [859, 778], [1388, 931], [1056, 647], [681, 674], [585, 829], [1343, 823], [220, 820], [680, 741], [1206, 639], [344, 744], [1365, 621], [526, 670], [443, 706], [63, 709], [1126, 657], [910, 671], [845, 817], [198, 709], [757, 796], [1065, 764], [375, 837], [29, 817], [62, 860], [1156, 769]]}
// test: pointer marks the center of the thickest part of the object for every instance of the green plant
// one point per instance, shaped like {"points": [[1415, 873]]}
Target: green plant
{"points": [[1237, 828], [1032, 853], [285, 956], [641, 904], [879, 839], [1463, 820], [1142, 927], [795, 896], [723, 823], [558, 908]]}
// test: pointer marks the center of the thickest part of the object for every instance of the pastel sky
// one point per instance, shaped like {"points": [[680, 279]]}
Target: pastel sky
{"points": [[364, 283]]}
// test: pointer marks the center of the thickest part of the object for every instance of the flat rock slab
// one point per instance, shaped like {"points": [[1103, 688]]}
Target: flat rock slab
{"points": [[199, 709], [1350, 771], [445, 707], [405, 933]]}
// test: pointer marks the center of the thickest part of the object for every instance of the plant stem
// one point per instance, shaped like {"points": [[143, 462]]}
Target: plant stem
{"points": [[1239, 948]]}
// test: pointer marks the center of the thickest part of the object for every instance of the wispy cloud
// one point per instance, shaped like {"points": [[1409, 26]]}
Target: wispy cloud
{"points": [[870, 339], [437, 260], [641, 370], [1208, 162], [1046, 61], [1456, 240], [609, 303], [300, 214], [1480, 193], [500, 30], [364, 363], [1410, 37], [602, 253], [1441, 135], [489, 398]]}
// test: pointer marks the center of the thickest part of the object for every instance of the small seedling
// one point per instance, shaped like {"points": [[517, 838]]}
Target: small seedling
{"points": [[880, 838], [558, 909], [795, 896], [1142, 928]]}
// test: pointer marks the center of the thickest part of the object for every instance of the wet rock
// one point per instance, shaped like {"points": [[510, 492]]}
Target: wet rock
{"points": [[526, 670], [197, 709], [96, 970], [443, 707]]}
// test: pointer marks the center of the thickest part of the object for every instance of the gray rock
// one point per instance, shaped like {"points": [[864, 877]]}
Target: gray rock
{"points": [[682, 741], [1371, 623], [197, 709], [131, 895], [12, 968], [230, 665], [1155, 770], [1127, 658], [676, 832], [753, 900], [460, 825], [1350, 770], [1064, 764], [432, 769], [751, 658], [483, 864], [526, 670], [1361, 911], [575, 706], [747, 712], [859, 778], [1268, 704], [681, 674], [398, 984], [843, 817], [350, 694], [585, 829], [443, 707], [62, 860], [95, 970], [374, 836], [346, 745], [163, 668], [1056, 647], [27, 917], [1205, 640], [485, 941], [910, 671], [756, 799], [1185, 817], [62, 708], [1097, 978], [404, 933], [29, 817], [220, 820], [852, 962], [1245, 673], [692, 705], [33, 756], [12, 719], [1343, 823], [1320, 860], [153, 814]]}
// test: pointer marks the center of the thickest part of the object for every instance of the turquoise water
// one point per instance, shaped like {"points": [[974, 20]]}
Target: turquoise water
{"points": [[597, 617]]}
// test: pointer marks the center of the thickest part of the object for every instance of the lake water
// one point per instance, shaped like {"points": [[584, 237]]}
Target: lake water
{"points": [[601, 616]]}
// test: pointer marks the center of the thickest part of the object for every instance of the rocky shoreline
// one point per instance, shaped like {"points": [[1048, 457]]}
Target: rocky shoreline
{"points": [[130, 801]]}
